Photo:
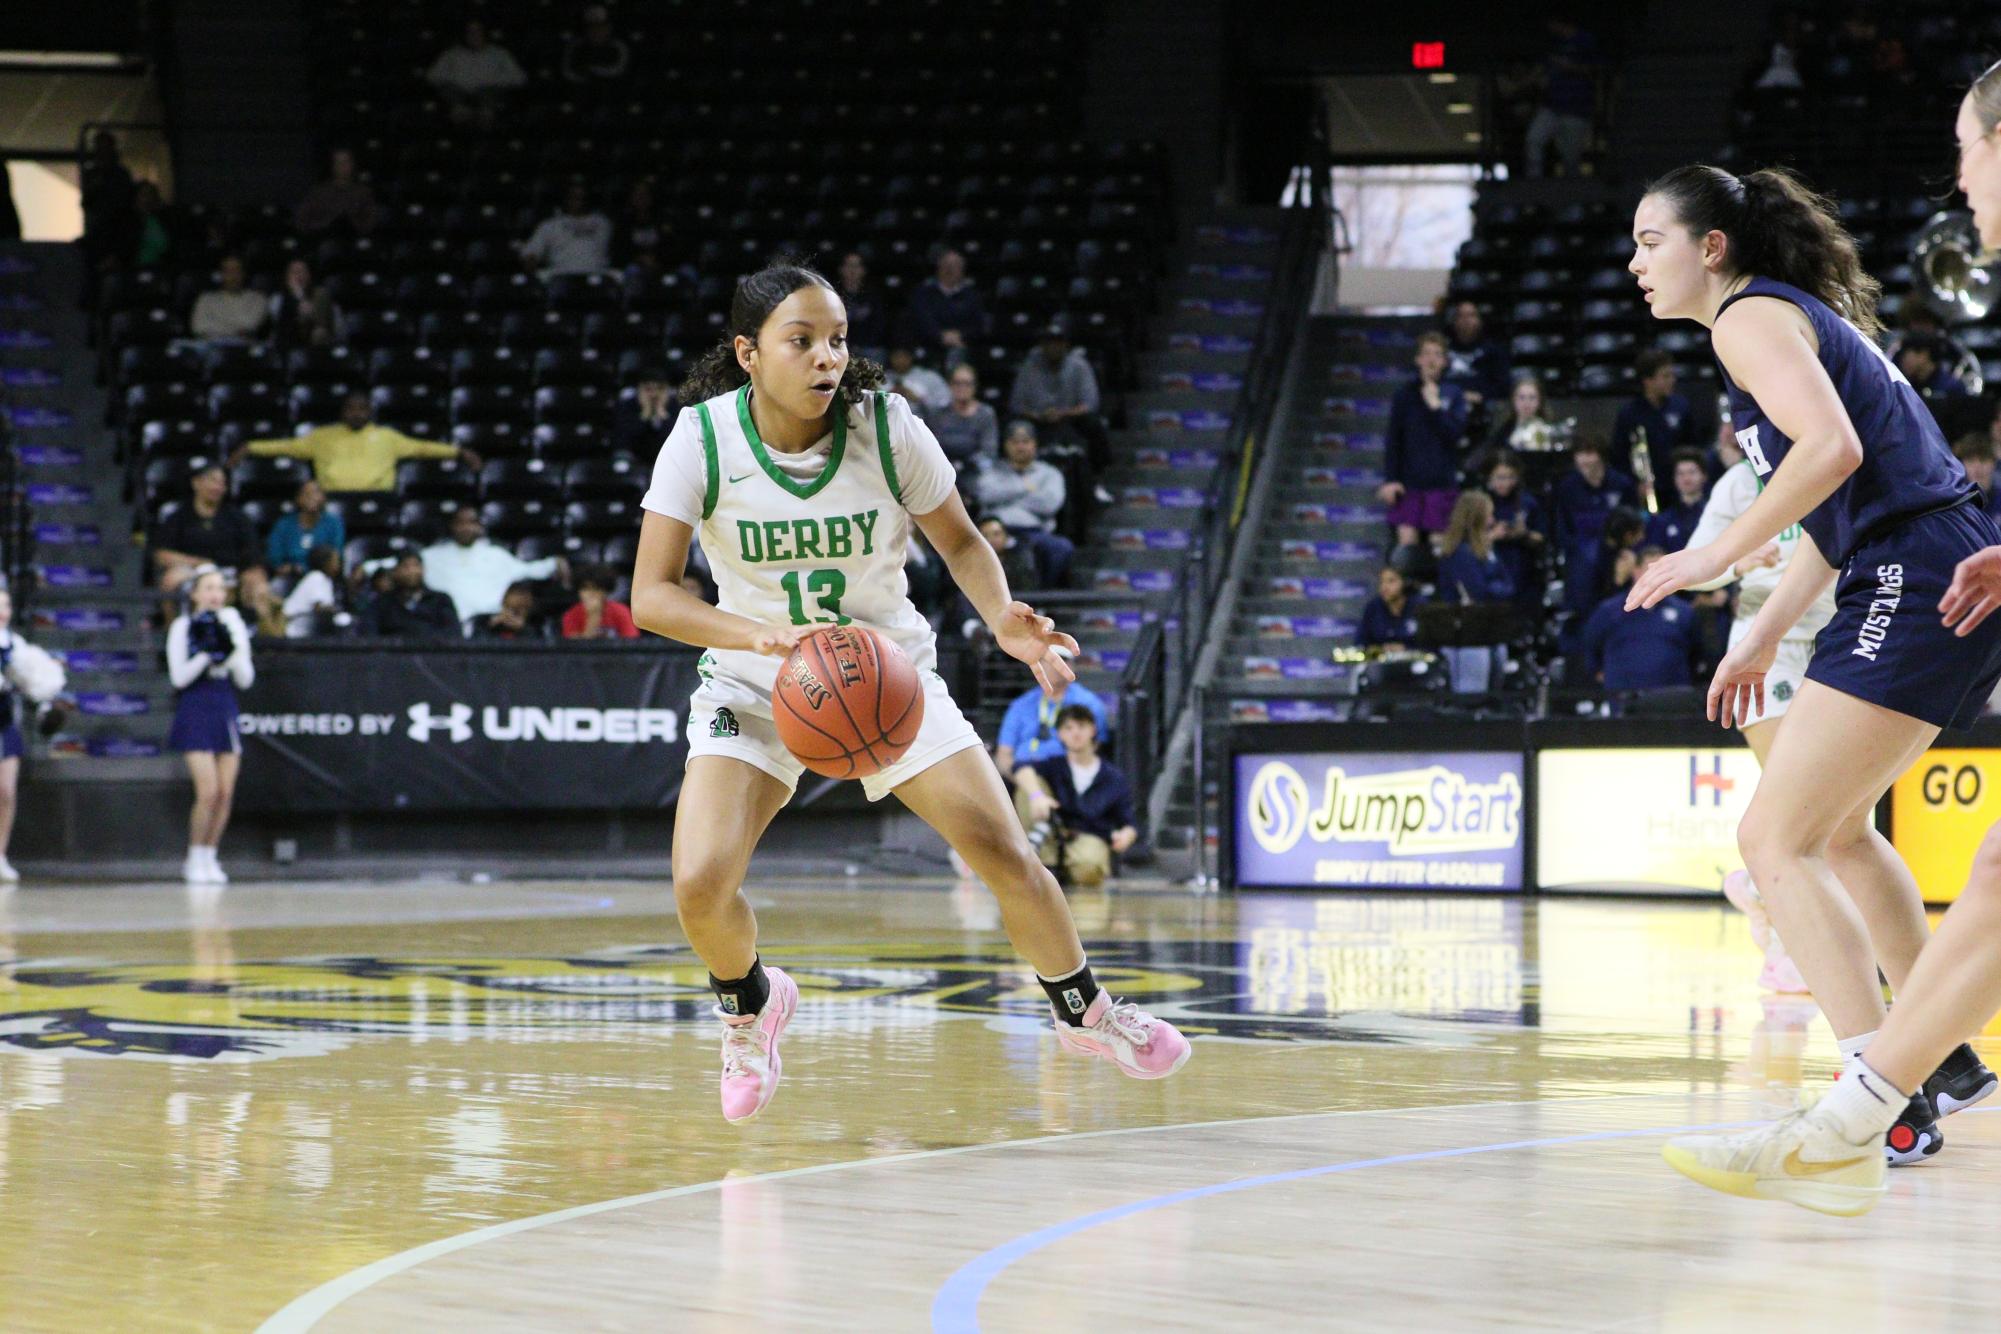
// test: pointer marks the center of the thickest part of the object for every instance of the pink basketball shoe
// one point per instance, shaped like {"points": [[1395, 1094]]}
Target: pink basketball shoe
{"points": [[750, 1050], [1127, 1036]]}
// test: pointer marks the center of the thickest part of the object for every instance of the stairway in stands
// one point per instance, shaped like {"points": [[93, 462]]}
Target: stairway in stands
{"points": [[91, 606], [1317, 542], [1165, 461]]}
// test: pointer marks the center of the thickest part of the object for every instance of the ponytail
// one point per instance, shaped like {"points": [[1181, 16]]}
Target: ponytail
{"points": [[718, 371], [1777, 228]]}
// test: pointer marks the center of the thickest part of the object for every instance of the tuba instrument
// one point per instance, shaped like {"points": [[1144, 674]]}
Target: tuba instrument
{"points": [[1960, 273]]}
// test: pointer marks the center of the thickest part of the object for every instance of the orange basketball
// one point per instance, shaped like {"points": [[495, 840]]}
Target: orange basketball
{"points": [[847, 703]]}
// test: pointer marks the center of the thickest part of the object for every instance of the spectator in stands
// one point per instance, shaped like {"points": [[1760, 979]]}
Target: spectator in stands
{"points": [[1518, 527], [1057, 389], [1975, 451], [1389, 619], [409, 610], [1471, 574], [1650, 649], [1421, 447], [1077, 807], [474, 573], [517, 618], [1017, 563], [1779, 70], [310, 526], [868, 317], [475, 77], [575, 240], [1661, 412], [229, 312], [1921, 357], [924, 387], [1474, 362], [303, 313], [640, 231], [355, 453], [599, 57], [209, 531], [1725, 452], [1569, 100], [947, 310], [316, 597], [1674, 524], [341, 202], [1028, 728], [1916, 319], [924, 571], [1027, 494], [644, 413], [1526, 426], [1612, 564], [149, 235], [596, 616], [1584, 499], [967, 429], [106, 197], [1469, 571]]}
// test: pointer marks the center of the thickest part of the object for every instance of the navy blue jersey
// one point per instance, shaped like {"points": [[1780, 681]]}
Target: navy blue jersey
{"points": [[1907, 468]]}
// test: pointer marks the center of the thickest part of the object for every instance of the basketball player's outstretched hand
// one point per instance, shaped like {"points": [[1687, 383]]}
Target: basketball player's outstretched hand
{"points": [[1737, 691], [1975, 591], [1670, 574], [778, 641], [1035, 640]]}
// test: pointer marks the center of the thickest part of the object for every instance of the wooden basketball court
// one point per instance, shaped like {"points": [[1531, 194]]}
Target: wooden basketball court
{"points": [[436, 1105]]}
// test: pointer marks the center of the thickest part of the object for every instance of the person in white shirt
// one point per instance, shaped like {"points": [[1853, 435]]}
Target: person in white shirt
{"points": [[317, 592], [475, 573], [924, 387], [476, 76], [229, 311], [576, 240]]}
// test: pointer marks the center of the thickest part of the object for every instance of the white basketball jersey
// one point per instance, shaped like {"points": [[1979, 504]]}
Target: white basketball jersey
{"points": [[828, 549]]}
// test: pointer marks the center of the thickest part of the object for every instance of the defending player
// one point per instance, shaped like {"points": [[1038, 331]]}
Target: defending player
{"points": [[1826, 1156], [804, 479], [1848, 451]]}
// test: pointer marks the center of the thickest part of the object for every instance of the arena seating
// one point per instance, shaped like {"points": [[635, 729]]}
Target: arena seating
{"points": [[453, 342]]}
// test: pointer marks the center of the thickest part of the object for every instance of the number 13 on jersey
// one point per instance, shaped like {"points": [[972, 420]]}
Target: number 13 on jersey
{"points": [[826, 587]]}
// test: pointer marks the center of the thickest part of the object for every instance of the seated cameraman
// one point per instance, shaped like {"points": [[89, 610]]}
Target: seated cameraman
{"points": [[1077, 808]]}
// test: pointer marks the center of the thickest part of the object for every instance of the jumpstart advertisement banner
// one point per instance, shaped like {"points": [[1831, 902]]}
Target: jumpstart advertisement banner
{"points": [[1379, 820]]}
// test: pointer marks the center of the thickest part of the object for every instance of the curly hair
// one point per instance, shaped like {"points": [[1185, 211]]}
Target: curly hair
{"points": [[1778, 228], [717, 371]]}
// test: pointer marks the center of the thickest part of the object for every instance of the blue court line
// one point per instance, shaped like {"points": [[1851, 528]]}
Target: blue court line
{"points": [[955, 1310]]}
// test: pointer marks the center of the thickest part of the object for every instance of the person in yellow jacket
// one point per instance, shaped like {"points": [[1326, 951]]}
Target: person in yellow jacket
{"points": [[355, 454]]}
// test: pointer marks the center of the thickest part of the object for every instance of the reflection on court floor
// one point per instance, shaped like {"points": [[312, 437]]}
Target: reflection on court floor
{"points": [[213, 1108]]}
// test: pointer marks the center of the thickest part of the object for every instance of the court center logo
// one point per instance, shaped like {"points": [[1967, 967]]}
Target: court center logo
{"points": [[263, 1010]]}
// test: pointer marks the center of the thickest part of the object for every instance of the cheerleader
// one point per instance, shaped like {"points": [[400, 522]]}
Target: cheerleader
{"points": [[30, 675], [208, 658]]}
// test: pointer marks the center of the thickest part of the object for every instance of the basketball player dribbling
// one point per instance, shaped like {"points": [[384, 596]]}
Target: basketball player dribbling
{"points": [[803, 479], [1849, 452], [1829, 1156]]}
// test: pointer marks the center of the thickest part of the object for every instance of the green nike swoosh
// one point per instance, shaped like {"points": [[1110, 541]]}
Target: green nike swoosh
{"points": [[735, 480]]}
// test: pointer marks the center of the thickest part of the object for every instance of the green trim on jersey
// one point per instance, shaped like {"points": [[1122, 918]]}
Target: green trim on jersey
{"points": [[1790, 534], [803, 490], [882, 445], [712, 468]]}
